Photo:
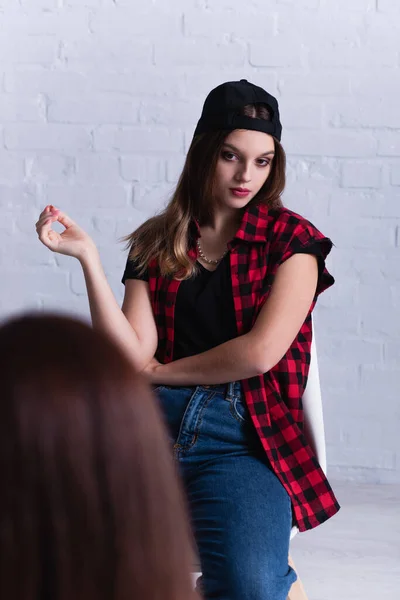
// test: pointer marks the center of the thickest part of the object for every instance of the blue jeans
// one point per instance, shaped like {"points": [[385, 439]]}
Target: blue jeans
{"points": [[241, 514]]}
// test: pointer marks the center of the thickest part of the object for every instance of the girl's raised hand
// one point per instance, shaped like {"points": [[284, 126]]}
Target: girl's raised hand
{"points": [[74, 241]]}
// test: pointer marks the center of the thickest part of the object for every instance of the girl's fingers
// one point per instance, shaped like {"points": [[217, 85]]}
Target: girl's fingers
{"points": [[49, 209], [65, 220], [53, 213], [46, 237], [46, 234], [45, 219], [45, 211], [44, 229]]}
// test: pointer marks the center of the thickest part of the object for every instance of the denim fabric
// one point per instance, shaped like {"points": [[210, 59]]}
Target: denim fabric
{"points": [[241, 513]]}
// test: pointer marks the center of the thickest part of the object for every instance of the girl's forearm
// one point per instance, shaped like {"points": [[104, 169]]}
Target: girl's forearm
{"points": [[234, 360], [105, 311]]}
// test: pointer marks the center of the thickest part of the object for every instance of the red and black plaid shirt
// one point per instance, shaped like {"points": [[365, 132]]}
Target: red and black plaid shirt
{"points": [[265, 239]]}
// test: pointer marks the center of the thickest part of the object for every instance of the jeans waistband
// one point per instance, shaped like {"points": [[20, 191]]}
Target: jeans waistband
{"points": [[229, 390]]}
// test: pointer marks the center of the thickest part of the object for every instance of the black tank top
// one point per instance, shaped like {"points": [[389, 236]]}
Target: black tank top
{"points": [[204, 311]]}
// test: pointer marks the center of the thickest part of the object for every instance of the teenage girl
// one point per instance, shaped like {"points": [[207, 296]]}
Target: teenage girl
{"points": [[219, 290]]}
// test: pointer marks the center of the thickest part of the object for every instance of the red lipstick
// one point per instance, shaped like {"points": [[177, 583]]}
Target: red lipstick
{"points": [[240, 192]]}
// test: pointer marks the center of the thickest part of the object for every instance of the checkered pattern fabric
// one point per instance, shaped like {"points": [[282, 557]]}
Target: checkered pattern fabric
{"points": [[265, 239]]}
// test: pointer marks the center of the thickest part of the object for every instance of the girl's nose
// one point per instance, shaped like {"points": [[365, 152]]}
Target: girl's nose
{"points": [[244, 174]]}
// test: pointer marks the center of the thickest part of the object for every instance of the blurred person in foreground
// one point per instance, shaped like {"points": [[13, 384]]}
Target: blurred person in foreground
{"points": [[90, 505]]}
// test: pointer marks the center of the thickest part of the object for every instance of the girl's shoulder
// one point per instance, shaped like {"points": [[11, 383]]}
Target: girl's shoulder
{"points": [[289, 232], [286, 224], [283, 217]]}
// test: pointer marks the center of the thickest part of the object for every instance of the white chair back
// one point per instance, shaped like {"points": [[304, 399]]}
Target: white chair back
{"points": [[313, 415]]}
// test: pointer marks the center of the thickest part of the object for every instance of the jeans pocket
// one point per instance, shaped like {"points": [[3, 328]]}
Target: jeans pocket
{"points": [[239, 410]]}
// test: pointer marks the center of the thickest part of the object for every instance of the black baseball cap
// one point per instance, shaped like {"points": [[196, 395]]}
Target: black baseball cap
{"points": [[222, 107]]}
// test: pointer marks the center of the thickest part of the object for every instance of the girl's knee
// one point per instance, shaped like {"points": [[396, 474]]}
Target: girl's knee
{"points": [[243, 582]]}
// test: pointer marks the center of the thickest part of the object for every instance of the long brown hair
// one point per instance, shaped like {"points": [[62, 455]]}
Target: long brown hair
{"points": [[90, 505], [166, 235]]}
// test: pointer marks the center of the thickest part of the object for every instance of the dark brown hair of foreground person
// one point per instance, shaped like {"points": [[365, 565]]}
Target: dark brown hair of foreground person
{"points": [[90, 507]]}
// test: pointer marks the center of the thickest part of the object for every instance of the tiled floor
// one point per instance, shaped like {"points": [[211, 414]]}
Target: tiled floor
{"points": [[356, 554]]}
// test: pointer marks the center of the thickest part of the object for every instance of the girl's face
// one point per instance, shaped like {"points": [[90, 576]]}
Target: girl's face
{"points": [[243, 166]]}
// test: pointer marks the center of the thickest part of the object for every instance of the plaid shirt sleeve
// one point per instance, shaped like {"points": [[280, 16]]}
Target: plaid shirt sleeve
{"points": [[292, 234]]}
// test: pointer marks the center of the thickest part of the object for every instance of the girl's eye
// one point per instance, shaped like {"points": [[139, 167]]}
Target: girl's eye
{"points": [[228, 155], [263, 162]]}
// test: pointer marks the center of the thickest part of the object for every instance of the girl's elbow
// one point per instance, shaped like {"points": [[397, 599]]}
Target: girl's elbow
{"points": [[265, 359], [261, 362]]}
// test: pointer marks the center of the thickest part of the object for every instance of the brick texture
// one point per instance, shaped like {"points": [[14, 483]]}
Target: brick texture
{"points": [[98, 103]]}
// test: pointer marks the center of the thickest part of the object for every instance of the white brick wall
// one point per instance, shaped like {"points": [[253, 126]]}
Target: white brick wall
{"points": [[98, 102]]}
